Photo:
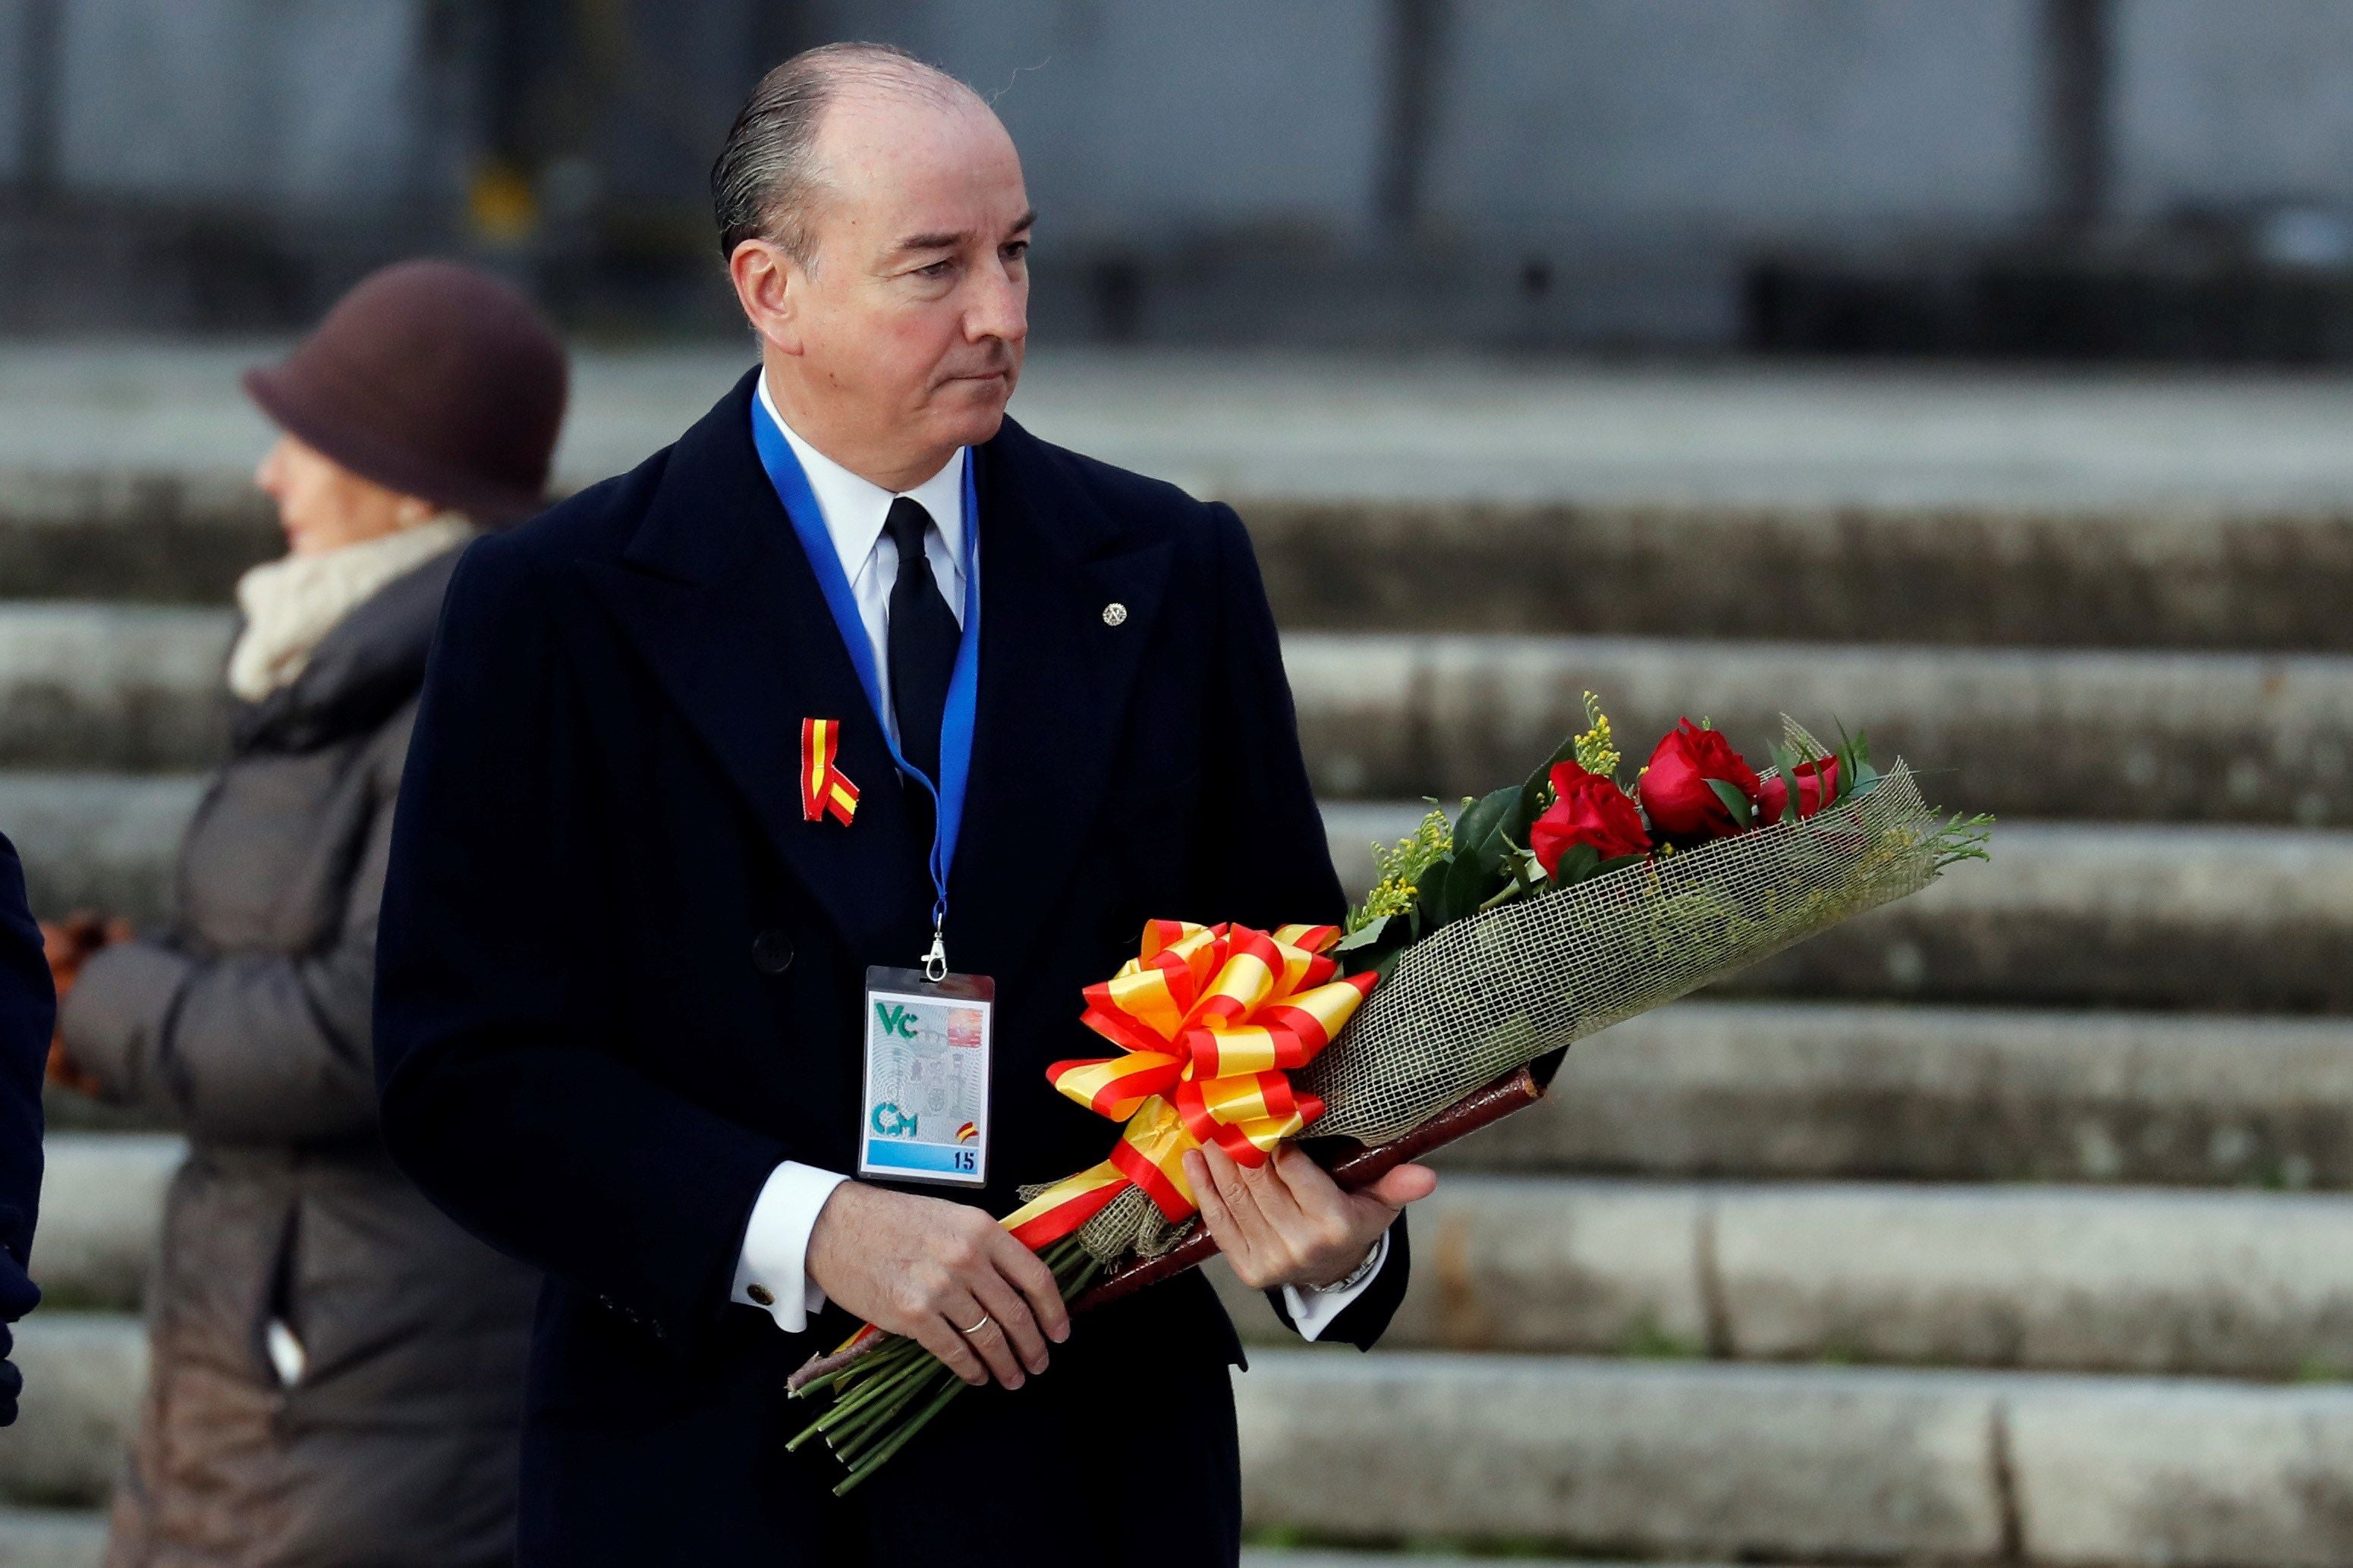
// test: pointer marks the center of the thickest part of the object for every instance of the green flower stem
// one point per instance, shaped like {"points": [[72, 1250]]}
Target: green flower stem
{"points": [[882, 1426], [899, 1439], [883, 1400]]}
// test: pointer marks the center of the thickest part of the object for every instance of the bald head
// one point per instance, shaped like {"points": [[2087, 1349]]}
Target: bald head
{"points": [[877, 231], [775, 167]]}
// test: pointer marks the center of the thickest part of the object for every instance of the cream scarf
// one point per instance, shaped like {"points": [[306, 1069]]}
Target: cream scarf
{"points": [[291, 604]]}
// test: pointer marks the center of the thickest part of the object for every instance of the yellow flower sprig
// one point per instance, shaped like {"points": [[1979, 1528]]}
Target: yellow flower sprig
{"points": [[1597, 748], [1402, 868]]}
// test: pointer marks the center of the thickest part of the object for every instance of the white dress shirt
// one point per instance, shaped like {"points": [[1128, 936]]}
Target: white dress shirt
{"points": [[772, 1271]]}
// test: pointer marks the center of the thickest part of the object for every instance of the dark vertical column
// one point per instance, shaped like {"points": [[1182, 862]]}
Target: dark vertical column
{"points": [[2078, 53], [38, 104], [1418, 37]]}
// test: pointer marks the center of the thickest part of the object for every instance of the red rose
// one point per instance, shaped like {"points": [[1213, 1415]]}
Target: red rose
{"points": [[1816, 788], [1587, 809], [1676, 789]]}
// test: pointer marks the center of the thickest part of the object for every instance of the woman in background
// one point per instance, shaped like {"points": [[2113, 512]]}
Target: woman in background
{"points": [[337, 1369]]}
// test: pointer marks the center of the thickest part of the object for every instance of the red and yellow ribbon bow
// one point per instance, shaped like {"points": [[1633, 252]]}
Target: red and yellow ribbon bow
{"points": [[1211, 1019], [825, 789]]}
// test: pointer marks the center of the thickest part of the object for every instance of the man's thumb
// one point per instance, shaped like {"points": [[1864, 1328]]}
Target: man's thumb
{"points": [[1406, 1184]]}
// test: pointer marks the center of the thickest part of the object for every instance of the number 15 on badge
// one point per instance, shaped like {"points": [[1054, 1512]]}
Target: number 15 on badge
{"points": [[925, 1112]]}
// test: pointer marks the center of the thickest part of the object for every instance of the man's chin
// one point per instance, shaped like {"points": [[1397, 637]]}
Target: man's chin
{"points": [[977, 406]]}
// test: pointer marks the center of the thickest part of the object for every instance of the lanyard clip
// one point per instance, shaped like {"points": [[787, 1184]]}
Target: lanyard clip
{"points": [[935, 962]]}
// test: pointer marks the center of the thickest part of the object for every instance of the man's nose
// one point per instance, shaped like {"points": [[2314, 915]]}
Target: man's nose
{"points": [[1000, 308]]}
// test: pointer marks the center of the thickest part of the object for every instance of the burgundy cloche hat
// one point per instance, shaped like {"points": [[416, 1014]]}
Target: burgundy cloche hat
{"points": [[433, 379]]}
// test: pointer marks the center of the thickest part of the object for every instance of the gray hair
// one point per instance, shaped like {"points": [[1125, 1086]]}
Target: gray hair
{"points": [[766, 176]]}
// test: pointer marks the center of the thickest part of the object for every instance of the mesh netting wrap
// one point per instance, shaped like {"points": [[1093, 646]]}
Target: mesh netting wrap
{"points": [[1493, 993]]}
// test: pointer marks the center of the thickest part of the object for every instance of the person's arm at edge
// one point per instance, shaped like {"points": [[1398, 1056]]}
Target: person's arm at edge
{"points": [[28, 1014]]}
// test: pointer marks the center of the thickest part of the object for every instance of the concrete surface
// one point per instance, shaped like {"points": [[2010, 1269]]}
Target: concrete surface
{"points": [[1453, 428], [112, 686], [100, 841], [1905, 1092], [2208, 919], [2240, 1284], [2165, 575], [101, 1216], [1771, 1464], [2132, 736], [83, 1373], [2138, 736], [51, 1538]]}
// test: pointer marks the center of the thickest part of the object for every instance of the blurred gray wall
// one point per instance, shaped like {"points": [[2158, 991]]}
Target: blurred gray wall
{"points": [[1547, 165]]}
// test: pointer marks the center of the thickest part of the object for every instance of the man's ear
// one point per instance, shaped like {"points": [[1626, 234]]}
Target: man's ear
{"points": [[768, 286]]}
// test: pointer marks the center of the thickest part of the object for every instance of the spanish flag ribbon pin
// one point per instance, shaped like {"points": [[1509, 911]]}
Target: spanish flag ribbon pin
{"points": [[825, 789]]}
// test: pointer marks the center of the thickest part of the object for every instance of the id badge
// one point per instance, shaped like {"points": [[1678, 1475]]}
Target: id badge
{"points": [[925, 1112]]}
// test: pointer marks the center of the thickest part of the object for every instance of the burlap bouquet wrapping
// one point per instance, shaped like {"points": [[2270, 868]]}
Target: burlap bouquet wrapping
{"points": [[1495, 991]]}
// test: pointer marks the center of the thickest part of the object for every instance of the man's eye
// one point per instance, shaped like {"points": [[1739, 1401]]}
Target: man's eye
{"points": [[936, 269], [1018, 251]]}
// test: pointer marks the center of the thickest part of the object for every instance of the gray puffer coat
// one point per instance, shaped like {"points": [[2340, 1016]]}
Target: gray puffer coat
{"points": [[249, 1024]]}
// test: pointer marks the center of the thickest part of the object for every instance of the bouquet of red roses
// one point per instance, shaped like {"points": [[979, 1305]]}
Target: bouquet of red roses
{"points": [[1536, 916]]}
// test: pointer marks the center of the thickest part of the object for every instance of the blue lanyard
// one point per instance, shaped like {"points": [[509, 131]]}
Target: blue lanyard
{"points": [[963, 684]]}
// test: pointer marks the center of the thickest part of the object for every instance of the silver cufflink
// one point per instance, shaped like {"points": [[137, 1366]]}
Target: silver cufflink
{"points": [[1114, 613]]}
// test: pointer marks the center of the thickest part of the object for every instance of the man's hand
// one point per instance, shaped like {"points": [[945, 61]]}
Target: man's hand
{"points": [[1287, 1223], [932, 1270]]}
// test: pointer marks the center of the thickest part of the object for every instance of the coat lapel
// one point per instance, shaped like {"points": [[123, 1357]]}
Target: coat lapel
{"points": [[716, 596], [1054, 682]]}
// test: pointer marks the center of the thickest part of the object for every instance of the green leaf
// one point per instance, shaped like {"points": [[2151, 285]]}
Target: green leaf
{"points": [[1576, 863], [1363, 936], [1532, 802], [1480, 830], [1469, 881], [1785, 762], [1743, 810]]}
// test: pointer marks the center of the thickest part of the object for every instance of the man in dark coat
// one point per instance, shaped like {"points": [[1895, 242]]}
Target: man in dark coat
{"points": [[628, 922], [28, 1013]]}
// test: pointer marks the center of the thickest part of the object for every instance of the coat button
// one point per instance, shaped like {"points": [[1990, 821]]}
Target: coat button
{"points": [[762, 1294], [771, 952], [1114, 613]]}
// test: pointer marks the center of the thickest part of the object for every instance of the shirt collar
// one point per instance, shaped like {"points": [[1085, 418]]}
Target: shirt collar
{"points": [[855, 508]]}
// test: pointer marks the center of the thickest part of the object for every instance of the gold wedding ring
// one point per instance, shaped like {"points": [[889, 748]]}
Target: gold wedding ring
{"points": [[985, 1320]]}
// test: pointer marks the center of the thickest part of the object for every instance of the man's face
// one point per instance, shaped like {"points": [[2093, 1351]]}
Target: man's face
{"points": [[915, 310]]}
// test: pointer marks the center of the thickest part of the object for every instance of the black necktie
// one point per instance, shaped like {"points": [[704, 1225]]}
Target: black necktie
{"points": [[922, 641]]}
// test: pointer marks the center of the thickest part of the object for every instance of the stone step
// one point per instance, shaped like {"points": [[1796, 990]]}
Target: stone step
{"points": [[2164, 578], [1659, 1459], [99, 841], [2241, 1284], [160, 536], [1773, 1464], [1285, 1557], [2048, 1278], [112, 686], [51, 1538], [62, 1539], [1906, 1092], [83, 1374], [2138, 736], [1839, 503], [2132, 736], [2208, 919], [101, 1215], [58, 1538]]}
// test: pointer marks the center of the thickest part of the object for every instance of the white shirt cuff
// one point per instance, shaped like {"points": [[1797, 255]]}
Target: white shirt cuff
{"points": [[772, 1273], [1311, 1311]]}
